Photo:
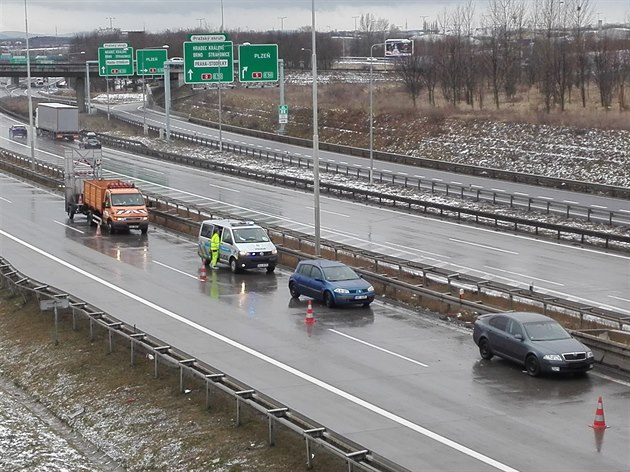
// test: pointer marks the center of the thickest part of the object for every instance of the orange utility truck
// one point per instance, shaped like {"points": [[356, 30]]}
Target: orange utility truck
{"points": [[116, 204]]}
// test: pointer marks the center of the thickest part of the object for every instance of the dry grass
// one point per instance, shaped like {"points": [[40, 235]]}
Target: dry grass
{"points": [[142, 422]]}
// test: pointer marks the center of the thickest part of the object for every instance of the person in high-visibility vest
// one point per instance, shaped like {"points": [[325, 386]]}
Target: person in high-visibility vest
{"points": [[214, 248]]}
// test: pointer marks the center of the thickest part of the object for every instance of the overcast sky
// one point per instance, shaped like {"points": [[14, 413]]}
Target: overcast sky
{"points": [[69, 16]]}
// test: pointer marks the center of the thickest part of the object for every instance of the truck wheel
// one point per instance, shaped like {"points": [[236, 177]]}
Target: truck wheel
{"points": [[89, 218], [144, 230], [71, 212], [110, 227]]}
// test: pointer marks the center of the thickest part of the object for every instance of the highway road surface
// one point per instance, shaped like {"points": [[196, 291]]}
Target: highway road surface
{"points": [[399, 382]]}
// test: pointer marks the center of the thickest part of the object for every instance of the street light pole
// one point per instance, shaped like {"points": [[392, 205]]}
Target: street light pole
{"points": [[221, 16], [28, 85], [372, 112], [315, 134]]}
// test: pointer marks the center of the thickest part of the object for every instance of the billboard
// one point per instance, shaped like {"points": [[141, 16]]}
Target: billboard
{"points": [[398, 48]]}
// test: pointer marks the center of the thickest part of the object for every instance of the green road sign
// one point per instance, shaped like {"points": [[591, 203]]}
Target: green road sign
{"points": [[18, 60], [208, 62], [115, 59], [283, 114], [151, 61], [258, 62]]}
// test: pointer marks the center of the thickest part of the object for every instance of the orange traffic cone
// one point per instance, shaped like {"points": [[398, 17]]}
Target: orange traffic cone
{"points": [[202, 275], [98, 230], [600, 422], [309, 314]]}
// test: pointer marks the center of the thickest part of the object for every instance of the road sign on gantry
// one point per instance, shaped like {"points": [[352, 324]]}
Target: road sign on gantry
{"points": [[207, 62], [115, 59], [151, 61], [258, 63]]}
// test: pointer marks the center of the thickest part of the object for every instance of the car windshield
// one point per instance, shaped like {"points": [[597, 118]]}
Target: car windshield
{"points": [[251, 235], [339, 273], [545, 331], [127, 199]]}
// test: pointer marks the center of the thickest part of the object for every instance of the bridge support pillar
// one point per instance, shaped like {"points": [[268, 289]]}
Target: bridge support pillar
{"points": [[78, 84], [15, 81]]}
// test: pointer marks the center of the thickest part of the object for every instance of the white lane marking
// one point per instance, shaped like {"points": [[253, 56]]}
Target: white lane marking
{"points": [[521, 193], [456, 183], [403, 173], [419, 176], [523, 275], [276, 363], [225, 188], [410, 250], [544, 198], [625, 211], [497, 190], [331, 212], [436, 179], [610, 379], [69, 227], [4, 199], [619, 298], [482, 246], [176, 270], [599, 206], [377, 347], [571, 202]]}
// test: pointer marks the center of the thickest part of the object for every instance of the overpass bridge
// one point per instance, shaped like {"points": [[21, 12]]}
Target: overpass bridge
{"points": [[75, 74]]}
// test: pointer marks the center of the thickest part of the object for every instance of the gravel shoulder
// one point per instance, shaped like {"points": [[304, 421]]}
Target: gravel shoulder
{"points": [[75, 407]]}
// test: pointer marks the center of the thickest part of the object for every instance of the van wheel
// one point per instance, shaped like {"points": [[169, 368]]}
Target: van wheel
{"points": [[233, 266], [270, 269]]}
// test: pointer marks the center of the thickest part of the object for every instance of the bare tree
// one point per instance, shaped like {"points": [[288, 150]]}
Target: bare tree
{"points": [[505, 22], [606, 65], [581, 17], [410, 70]]}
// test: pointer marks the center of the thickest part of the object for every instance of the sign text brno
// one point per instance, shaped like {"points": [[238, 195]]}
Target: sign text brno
{"points": [[115, 59], [208, 62]]}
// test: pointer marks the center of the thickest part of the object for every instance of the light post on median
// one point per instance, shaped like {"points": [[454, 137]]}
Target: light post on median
{"points": [[315, 134], [372, 111], [28, 86]]}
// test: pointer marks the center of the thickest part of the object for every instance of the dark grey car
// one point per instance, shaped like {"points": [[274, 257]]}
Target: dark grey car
{"points": [[533, 340]]}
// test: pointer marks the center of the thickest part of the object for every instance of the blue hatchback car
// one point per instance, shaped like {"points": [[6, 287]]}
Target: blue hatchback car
{"points": [[331, 282]]}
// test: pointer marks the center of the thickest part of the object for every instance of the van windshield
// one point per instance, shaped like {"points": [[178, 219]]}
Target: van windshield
{"points": [[250, 235], [127, 199]]}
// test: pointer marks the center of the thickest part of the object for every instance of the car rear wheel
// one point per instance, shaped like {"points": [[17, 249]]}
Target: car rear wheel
{"points": [[484, 349], [294, 291], [270, 269], [329, 301], [532, 365]]}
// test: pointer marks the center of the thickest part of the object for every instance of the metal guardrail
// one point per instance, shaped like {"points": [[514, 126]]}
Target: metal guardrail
{"points": [[355, 456], [453, 190], [469, 284], [487, 172], [369, 196], [396, 276]]}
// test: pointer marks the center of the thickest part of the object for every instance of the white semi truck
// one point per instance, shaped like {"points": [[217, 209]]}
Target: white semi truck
{"points": [[57, 120]]}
